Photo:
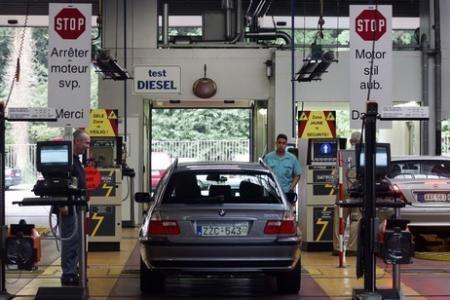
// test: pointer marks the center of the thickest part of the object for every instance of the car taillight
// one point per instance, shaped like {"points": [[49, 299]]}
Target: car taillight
{"points": [[280, 227], [398, 193], [165, 227]]}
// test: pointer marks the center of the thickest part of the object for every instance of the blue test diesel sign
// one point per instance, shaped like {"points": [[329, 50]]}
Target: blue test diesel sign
{"points": [[151, 79]]}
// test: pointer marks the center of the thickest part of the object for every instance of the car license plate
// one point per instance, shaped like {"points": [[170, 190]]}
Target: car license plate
{"points": [[433, 197], [236, 229]]}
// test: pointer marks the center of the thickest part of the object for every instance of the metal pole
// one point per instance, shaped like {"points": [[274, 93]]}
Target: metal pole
{"points": [[2, 193], [83, 256], [125, 89], [165, 23], [133, 221], [239, 21], [424, 47], [228, 6], [293, 116], [370, 197], [396, 267], [437, 77]]}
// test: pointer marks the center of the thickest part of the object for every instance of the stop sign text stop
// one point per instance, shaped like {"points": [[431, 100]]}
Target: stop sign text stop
{"points": [[70, 23], [370, 25]]}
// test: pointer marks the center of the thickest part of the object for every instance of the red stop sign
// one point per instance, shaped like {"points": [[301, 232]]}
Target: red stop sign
{"points": [[70, 23], [370, 25]]}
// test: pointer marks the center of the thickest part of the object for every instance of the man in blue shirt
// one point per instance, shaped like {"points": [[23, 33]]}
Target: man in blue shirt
{"points": [[285, 165]]}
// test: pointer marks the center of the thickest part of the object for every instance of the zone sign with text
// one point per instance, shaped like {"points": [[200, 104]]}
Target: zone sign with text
{"points": [[69, 63]]}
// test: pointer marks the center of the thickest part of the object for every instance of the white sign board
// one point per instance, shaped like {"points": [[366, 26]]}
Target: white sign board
{"points": [[405, 112], [370, 59], [69, 63], [157, 79], [31, 113]]}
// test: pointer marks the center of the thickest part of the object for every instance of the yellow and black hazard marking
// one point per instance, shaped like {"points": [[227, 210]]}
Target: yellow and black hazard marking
{"points": [[326, 189], [97, 220], [107, 188], [102, 221], [317, 124], [323, 223], [112, 114], [103, 123]]}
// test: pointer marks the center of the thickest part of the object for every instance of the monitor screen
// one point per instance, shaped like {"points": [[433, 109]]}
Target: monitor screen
{"points": [[382, 158], [324, 150], [54, 157], [54, 154]]}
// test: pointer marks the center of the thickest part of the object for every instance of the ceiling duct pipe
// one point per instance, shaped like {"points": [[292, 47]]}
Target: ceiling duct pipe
{"points": [[227, 5], [250, 15], [165, 24], [270, 36], [265, 9], [238, 37], [262, 8], [239, 21]]}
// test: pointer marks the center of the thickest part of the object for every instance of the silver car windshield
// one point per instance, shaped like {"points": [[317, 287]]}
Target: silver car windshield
{"points": [[223, 187], [419, 169]]}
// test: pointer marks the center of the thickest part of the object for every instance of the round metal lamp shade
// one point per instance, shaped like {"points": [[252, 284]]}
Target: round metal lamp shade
{"points": [[204, 88]]}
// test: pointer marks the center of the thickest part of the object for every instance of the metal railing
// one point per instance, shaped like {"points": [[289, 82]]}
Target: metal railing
{"points": [[233, 150], [22, 157], [445, 143]]}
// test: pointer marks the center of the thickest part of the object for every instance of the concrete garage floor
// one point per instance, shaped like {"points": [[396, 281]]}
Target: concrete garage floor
{"points": [[115, 275]]}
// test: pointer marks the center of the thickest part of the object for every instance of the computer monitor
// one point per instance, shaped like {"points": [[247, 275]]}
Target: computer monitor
{"points": [[382, 159], [324, 150], [54, 158]]}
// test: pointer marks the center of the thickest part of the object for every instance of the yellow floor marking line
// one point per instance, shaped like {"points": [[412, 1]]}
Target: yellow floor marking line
{"points": [[340, 282], [105, 265], [439, 256]]}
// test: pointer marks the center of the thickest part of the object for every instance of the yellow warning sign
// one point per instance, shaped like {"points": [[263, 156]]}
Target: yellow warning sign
{"points": [[331, 117], [317, 124], [103, 123], [112, 115], [303, 117]]}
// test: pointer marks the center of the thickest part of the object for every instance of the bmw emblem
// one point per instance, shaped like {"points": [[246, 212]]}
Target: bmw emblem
{"points": [[222, 212]]}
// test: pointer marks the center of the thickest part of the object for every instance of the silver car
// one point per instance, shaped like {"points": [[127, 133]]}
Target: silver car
{"points": [[219, 217], [424, 183]]}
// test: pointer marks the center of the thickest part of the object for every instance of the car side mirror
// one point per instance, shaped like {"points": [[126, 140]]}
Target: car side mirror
{"points": [[292, 197], [142, 197]]}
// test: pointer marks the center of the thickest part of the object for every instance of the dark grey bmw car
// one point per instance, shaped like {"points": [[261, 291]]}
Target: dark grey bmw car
{"points": [[219, 217]]}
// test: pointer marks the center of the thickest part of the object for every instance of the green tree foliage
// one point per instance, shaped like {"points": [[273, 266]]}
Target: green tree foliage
{"points": [[40, 38], [5, 40], [200, 124]]}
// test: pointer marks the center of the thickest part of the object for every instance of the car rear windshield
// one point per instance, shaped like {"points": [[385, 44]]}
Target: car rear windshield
{"points": [[223, 187], [419, 169]]}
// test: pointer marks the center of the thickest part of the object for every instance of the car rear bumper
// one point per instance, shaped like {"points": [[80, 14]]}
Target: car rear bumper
{"points": [[427, 220], [211, 258], [426, 215]]}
